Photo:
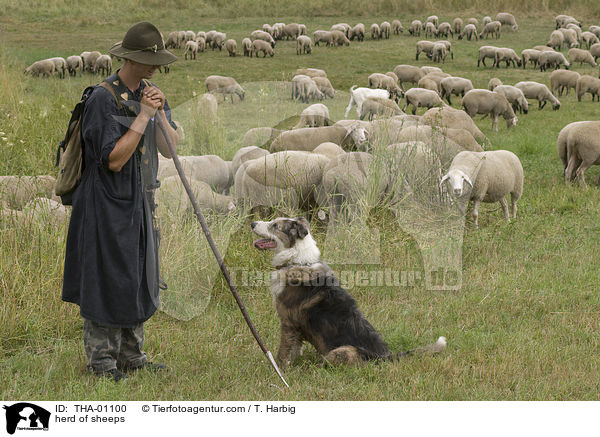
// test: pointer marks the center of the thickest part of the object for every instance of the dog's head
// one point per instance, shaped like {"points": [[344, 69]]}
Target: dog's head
{"points": [[289, 238]]}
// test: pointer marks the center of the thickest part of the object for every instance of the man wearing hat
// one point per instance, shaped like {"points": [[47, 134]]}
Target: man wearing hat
{"points": [[111, 263]]}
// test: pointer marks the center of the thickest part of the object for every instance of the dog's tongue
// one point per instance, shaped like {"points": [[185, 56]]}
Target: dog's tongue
{"points": [[265, 243]]}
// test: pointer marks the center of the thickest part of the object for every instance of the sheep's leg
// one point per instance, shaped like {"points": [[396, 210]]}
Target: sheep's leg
{"points": [[495, 122], [504, 205], [571, 166], [513, 201], [476, 212], [580, 173]]}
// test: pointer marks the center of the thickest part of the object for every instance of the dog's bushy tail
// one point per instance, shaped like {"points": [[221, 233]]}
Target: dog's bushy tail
{"points": [[433, 348]]}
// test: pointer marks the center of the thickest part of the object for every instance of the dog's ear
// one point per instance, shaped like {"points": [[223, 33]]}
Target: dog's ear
{"points": [[302, 227]]}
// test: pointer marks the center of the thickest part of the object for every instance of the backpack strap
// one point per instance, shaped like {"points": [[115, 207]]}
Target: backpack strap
{"points": [[108, 87]]}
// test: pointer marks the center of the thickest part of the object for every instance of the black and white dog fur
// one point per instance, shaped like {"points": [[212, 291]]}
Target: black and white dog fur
{"points": [[311, 304]]}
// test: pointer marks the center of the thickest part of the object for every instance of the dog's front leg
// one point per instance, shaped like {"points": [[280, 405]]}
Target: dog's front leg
{"points": [[290, 346]]}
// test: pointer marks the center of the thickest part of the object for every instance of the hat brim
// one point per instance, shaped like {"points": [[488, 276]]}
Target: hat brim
{"points": [[146, 57]]}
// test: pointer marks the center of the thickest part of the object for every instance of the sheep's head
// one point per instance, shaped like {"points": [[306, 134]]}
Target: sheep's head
{"points": [[358, 134], [456, 179], [556, 105], [511, 122]]}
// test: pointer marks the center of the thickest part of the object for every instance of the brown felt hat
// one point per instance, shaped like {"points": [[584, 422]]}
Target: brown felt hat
{"points": [[144, 44]]}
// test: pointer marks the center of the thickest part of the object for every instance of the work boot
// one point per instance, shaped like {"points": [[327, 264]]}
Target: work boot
{"points": [[115, 374]]}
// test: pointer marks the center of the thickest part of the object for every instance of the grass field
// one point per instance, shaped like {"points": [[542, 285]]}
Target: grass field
{"points": [[523, 326]]}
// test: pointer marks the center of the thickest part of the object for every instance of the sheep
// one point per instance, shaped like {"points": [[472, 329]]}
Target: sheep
{"points": [[457, 24], [444, 30], [430, 30], [357, 32], [60, 66], [308, 138], [104, 64], [247, 46], [428, 84], [291, 31], [224, 85], [408, 73], [539, 91], [595, 30], [310, 72], [469, 31], [570, 37], [492, 175], [493, 28], [289, 175], [244, 154], [581, 56], [374, 106], [342, 27], [429, 69], [595, 51], [324, 86], [577, 30], [438, 53], [557, 39], [74, 64], [190, 35], [267, 28], [301, 29], [263, 36], [44, 67], [305, 89], [397, 27], [231, 47], [218, 40], [589, 38], [433, 19], [415, 28], [303, 45], [448, 45], [89, 60], [448, 116], [447, 141], [201, 44], [385, 29], [563, 79], [172, 40], [588, 84], [339, 39], [191, 48], [543, 48], [315, 115], [330, 150], [509, 56], [48, 210], [424, 46], [421, 97], [515, 97], [480, 101], [508, 19], [561, 143], [278, 30], [454, 85], [375, 31], [173, 196], [562, 20], [17, 191], [386, 82], [211, 169], [358, 96], [532, 55], [262, 46], [486, 52], [553, 60], [260, 136], [583, 149], [436, 77], [493, 83], [324, 36]]}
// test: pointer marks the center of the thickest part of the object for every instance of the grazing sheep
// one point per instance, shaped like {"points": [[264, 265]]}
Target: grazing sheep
{"points": [[595, 51], [339, 38], [429, 84], [577, 30], [556, 41], [570, 36], [469, 31], [492, 175], [89, 60], [589, 39], [563, 79], [173, 196], [211, 169], [583, 149], [539, 91], [543, 48], [260, 136], [421, 97], [190, 35], [302, 29], [262, 46], [305, 89], [454, 85], [429, 69], [358, 96], [487, 19], [324, 86], [375, 31], [385, 29], [303, 45], [508, 19], [433, 19], [244, 154], [408, 73], [530, 55], [315, 115], [444, 30], [104, 64], [457, 24], [430, 30], [17, 191], [493, 28], [267, 28], [218, 41], [231, 47], [581, 56], [507, 55], [588, 84], [247, 46], [426, 47], [306, 139], [74, 64], [278, 30], [48, 210], [453, 118], [357, 32], [561, 143], [515, 97], [562, 20], [438, 53], [486, 52], [374, 106], [342, 27], [415, 28], [330, 150], [553, 60], [291, 31], [397, 27], [385, 82], [439, 137], [322, 36], [479, 101], [224, 85], [435, 76], [448, 47], [201, 44], [191, 48], [493, 83], [595, 30], [310, 72], [172, 40], [60, 66], [263, 36]]}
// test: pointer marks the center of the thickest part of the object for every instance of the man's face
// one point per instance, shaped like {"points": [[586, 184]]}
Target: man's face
{"points": [[143, 71]]}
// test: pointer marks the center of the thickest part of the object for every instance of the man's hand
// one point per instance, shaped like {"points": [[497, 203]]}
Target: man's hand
{"points": [[153, 93]]}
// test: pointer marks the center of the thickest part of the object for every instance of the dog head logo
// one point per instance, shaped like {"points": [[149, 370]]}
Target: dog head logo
{"points": [[25, 416]]}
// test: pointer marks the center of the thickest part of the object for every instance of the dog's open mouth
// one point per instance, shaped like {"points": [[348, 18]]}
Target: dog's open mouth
{"points": [[265, 243]]}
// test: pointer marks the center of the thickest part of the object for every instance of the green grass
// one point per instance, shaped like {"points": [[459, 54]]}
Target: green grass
{"points": [[522, 327]]}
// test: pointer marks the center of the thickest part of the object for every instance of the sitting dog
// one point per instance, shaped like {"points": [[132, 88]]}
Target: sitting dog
{"points": [[311, 304]]}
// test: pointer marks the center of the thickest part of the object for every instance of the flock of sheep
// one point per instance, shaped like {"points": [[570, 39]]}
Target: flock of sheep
{"points": [[327, 164], [91, 62]]}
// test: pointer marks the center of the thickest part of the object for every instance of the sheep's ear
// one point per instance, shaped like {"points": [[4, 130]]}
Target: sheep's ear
{"points": [[466, 178]]}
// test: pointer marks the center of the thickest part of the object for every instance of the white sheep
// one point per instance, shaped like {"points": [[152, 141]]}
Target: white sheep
{"points": [[259, 45], [561, 143], [330, 150], [339, 38], [291, 31], [305, 89], [421, 97], [374, 106], [310, 72], [583, 149], [485, 20], [17, 191], [453, 118], [469, 31], [581, 56], [508, 19], [492, 28], [429, 84], [260, 136], [540, 92], [571, 39], [397, 27], [104, 64], [387, 82], [357, 32], [563, 79], [429, 69], [480, 101], [303, 45], [552, 60], [562, 20], [514, 96], [89, 60], [314, 116], [322, 36], [436, 77], [60, 66], [247, 46], [385, 29], [211, 169], [244, 154], [424, 47], [263, 36], [595, 30], [454, 85], [375, 31], [224, 85], [530, 55], [486, 52], [492, 176], [430, 30], [444, 30], [324, 85], [457, 24], [231, 46], [74, 64], [493, 83], [174, 198], [588, 84], [557, 39], [306, 139], [408, 73], [191, 49], [595, 51], [415, 28], [438, 53], [218, 40], [358, 96], [507, 55], [589, 38]]}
